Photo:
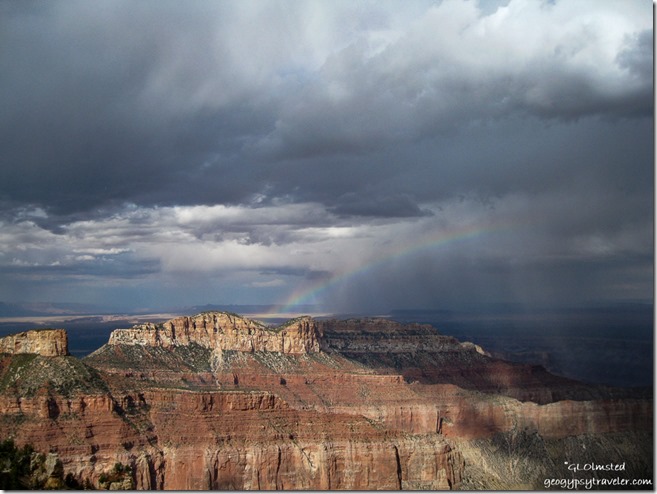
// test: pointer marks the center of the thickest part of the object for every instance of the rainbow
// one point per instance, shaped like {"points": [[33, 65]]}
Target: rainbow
{"points": [[310, 295]]}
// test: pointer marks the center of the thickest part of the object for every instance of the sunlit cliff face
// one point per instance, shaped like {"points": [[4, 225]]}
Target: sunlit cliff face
{"points": [[45, 342]]}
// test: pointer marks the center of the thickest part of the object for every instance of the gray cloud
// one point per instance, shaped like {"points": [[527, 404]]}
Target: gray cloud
{"points": [[385, 205], [272, 144], [636, 56]]}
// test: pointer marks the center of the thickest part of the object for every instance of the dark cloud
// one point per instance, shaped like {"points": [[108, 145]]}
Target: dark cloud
{"points": [[89, 268], [298, 272], [388, 206], [263, 139], [90, 119], [120, 102]]}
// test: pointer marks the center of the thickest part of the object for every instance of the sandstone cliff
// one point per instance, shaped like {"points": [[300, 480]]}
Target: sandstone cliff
{"points": [[223, 331], [217, 401], [45, 342]]}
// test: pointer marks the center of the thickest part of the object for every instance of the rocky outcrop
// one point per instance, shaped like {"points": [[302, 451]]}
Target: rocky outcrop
{"points": [[222, 331], [44, 342]]}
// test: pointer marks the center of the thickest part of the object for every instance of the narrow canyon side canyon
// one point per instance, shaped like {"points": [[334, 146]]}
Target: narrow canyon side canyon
{"points": [[218, 401]]}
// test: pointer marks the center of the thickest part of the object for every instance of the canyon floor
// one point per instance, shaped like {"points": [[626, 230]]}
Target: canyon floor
{"points": [[220, 401]]}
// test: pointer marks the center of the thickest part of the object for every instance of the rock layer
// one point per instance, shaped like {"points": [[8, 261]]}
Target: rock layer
{"points": [[45, 342], [222, 331]]}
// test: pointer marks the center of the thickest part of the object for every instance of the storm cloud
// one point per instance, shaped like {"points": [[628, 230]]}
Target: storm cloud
{"points": [[247, 152]]}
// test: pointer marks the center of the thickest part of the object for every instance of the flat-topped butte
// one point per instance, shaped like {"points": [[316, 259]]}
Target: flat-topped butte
{"points": [[223, 331], [44, 342]]}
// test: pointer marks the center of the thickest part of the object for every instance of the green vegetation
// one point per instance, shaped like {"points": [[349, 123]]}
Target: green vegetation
{"points": [[12, 368], [119, 478], [27, 374], [292, 321], [23, 468], [140, 358], [14, 465], [286, 324]]}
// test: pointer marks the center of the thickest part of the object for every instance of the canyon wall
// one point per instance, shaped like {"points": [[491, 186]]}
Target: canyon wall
{"points": [[217, 401], [236, 440], [182, 440]]}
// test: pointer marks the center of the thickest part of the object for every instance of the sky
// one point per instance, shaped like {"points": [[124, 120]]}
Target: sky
{"points": [[355, 155]]}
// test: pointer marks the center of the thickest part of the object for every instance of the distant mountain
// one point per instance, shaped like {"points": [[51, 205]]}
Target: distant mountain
{"points": [[28, 309], [14, 310], [244, 308]]}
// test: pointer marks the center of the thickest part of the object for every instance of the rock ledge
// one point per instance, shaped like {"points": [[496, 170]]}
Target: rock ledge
{"points": [[45, 342]]}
